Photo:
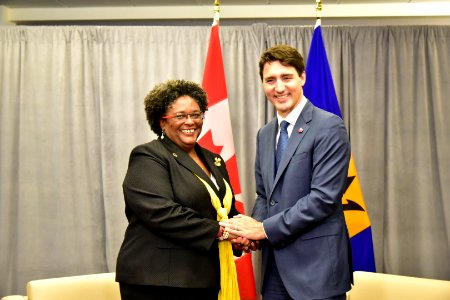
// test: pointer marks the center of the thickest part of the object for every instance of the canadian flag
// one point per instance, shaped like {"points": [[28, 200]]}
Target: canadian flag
{"points": [[217, 136]]}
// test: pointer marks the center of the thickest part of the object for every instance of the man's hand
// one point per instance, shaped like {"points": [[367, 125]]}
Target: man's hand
{"points": [[245, 227]]}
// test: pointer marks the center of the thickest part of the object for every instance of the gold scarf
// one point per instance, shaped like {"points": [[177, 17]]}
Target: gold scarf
{"points": [[229, 289]]}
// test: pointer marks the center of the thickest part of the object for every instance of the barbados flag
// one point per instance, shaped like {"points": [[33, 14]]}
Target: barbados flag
{"points": [[319, 89]]}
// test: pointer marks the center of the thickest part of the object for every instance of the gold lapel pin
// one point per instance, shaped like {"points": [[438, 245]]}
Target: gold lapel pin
{"points": [[217, 161]]}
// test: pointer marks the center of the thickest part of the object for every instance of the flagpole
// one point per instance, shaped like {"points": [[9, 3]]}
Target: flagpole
{"points": [[318, 12], [216, 12]]}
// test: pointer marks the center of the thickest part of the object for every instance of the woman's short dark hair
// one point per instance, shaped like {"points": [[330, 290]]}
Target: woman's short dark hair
{"points": [[286, 55], [161, 97]]}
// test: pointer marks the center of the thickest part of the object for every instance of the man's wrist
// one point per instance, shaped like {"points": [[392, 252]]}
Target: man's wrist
{"points": [[264, 231]]}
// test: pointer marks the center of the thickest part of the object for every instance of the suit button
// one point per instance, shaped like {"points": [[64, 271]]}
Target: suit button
{"points": [[272, 203]]}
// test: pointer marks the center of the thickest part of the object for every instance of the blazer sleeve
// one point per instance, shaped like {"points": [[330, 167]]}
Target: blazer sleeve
{"points": [[260, 207]]}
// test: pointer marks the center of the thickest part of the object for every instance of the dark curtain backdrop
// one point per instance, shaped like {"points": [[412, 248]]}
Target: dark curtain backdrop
{"points": [[71, 110]]}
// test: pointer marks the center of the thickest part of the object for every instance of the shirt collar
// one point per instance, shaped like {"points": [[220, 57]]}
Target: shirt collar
{"points": [[294, 114]]}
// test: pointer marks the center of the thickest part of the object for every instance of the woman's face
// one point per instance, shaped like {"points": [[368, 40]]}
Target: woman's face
{"points": [[183, 122]]}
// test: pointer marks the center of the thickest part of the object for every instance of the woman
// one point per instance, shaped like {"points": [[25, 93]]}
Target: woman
{"points": [[170, 249]]}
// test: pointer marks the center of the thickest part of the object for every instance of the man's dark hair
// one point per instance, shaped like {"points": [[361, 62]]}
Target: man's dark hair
{"points": [[286, 55]]}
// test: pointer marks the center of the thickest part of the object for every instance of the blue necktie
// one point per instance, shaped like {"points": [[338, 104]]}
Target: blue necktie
{"points": [[282, 143]]}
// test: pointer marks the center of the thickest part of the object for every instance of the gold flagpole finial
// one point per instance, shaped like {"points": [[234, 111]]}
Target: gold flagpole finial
{"points": [[216, 12], [318, 13], [318, 9]]}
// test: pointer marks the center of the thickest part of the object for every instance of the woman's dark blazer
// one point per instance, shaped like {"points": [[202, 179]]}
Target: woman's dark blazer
{"points": [[171, 236]]}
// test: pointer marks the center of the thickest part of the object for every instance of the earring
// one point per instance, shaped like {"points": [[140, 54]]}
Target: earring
{"points": [[162, 135]]}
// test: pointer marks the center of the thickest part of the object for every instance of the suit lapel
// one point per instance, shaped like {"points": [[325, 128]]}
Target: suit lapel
{"points": [[186, 161], [211, 161], [300, 129], [269, 157]]}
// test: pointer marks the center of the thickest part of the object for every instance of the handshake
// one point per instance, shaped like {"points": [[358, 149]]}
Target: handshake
{"points": [[243, 232]]}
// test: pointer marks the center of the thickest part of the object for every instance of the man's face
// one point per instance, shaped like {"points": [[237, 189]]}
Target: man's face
{"points": [[283, 86]]}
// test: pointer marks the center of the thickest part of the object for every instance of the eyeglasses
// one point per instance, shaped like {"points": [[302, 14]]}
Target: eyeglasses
{"points": [[183, 117]]}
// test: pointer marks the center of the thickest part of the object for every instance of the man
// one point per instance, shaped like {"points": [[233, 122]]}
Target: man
{"points": [[298, 217]]}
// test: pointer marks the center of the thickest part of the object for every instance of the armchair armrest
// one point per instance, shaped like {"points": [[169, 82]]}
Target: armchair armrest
{"points": [[15, 297]]}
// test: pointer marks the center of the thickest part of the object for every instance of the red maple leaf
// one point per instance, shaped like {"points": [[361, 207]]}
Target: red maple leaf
{"points": [[207, 142]]}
